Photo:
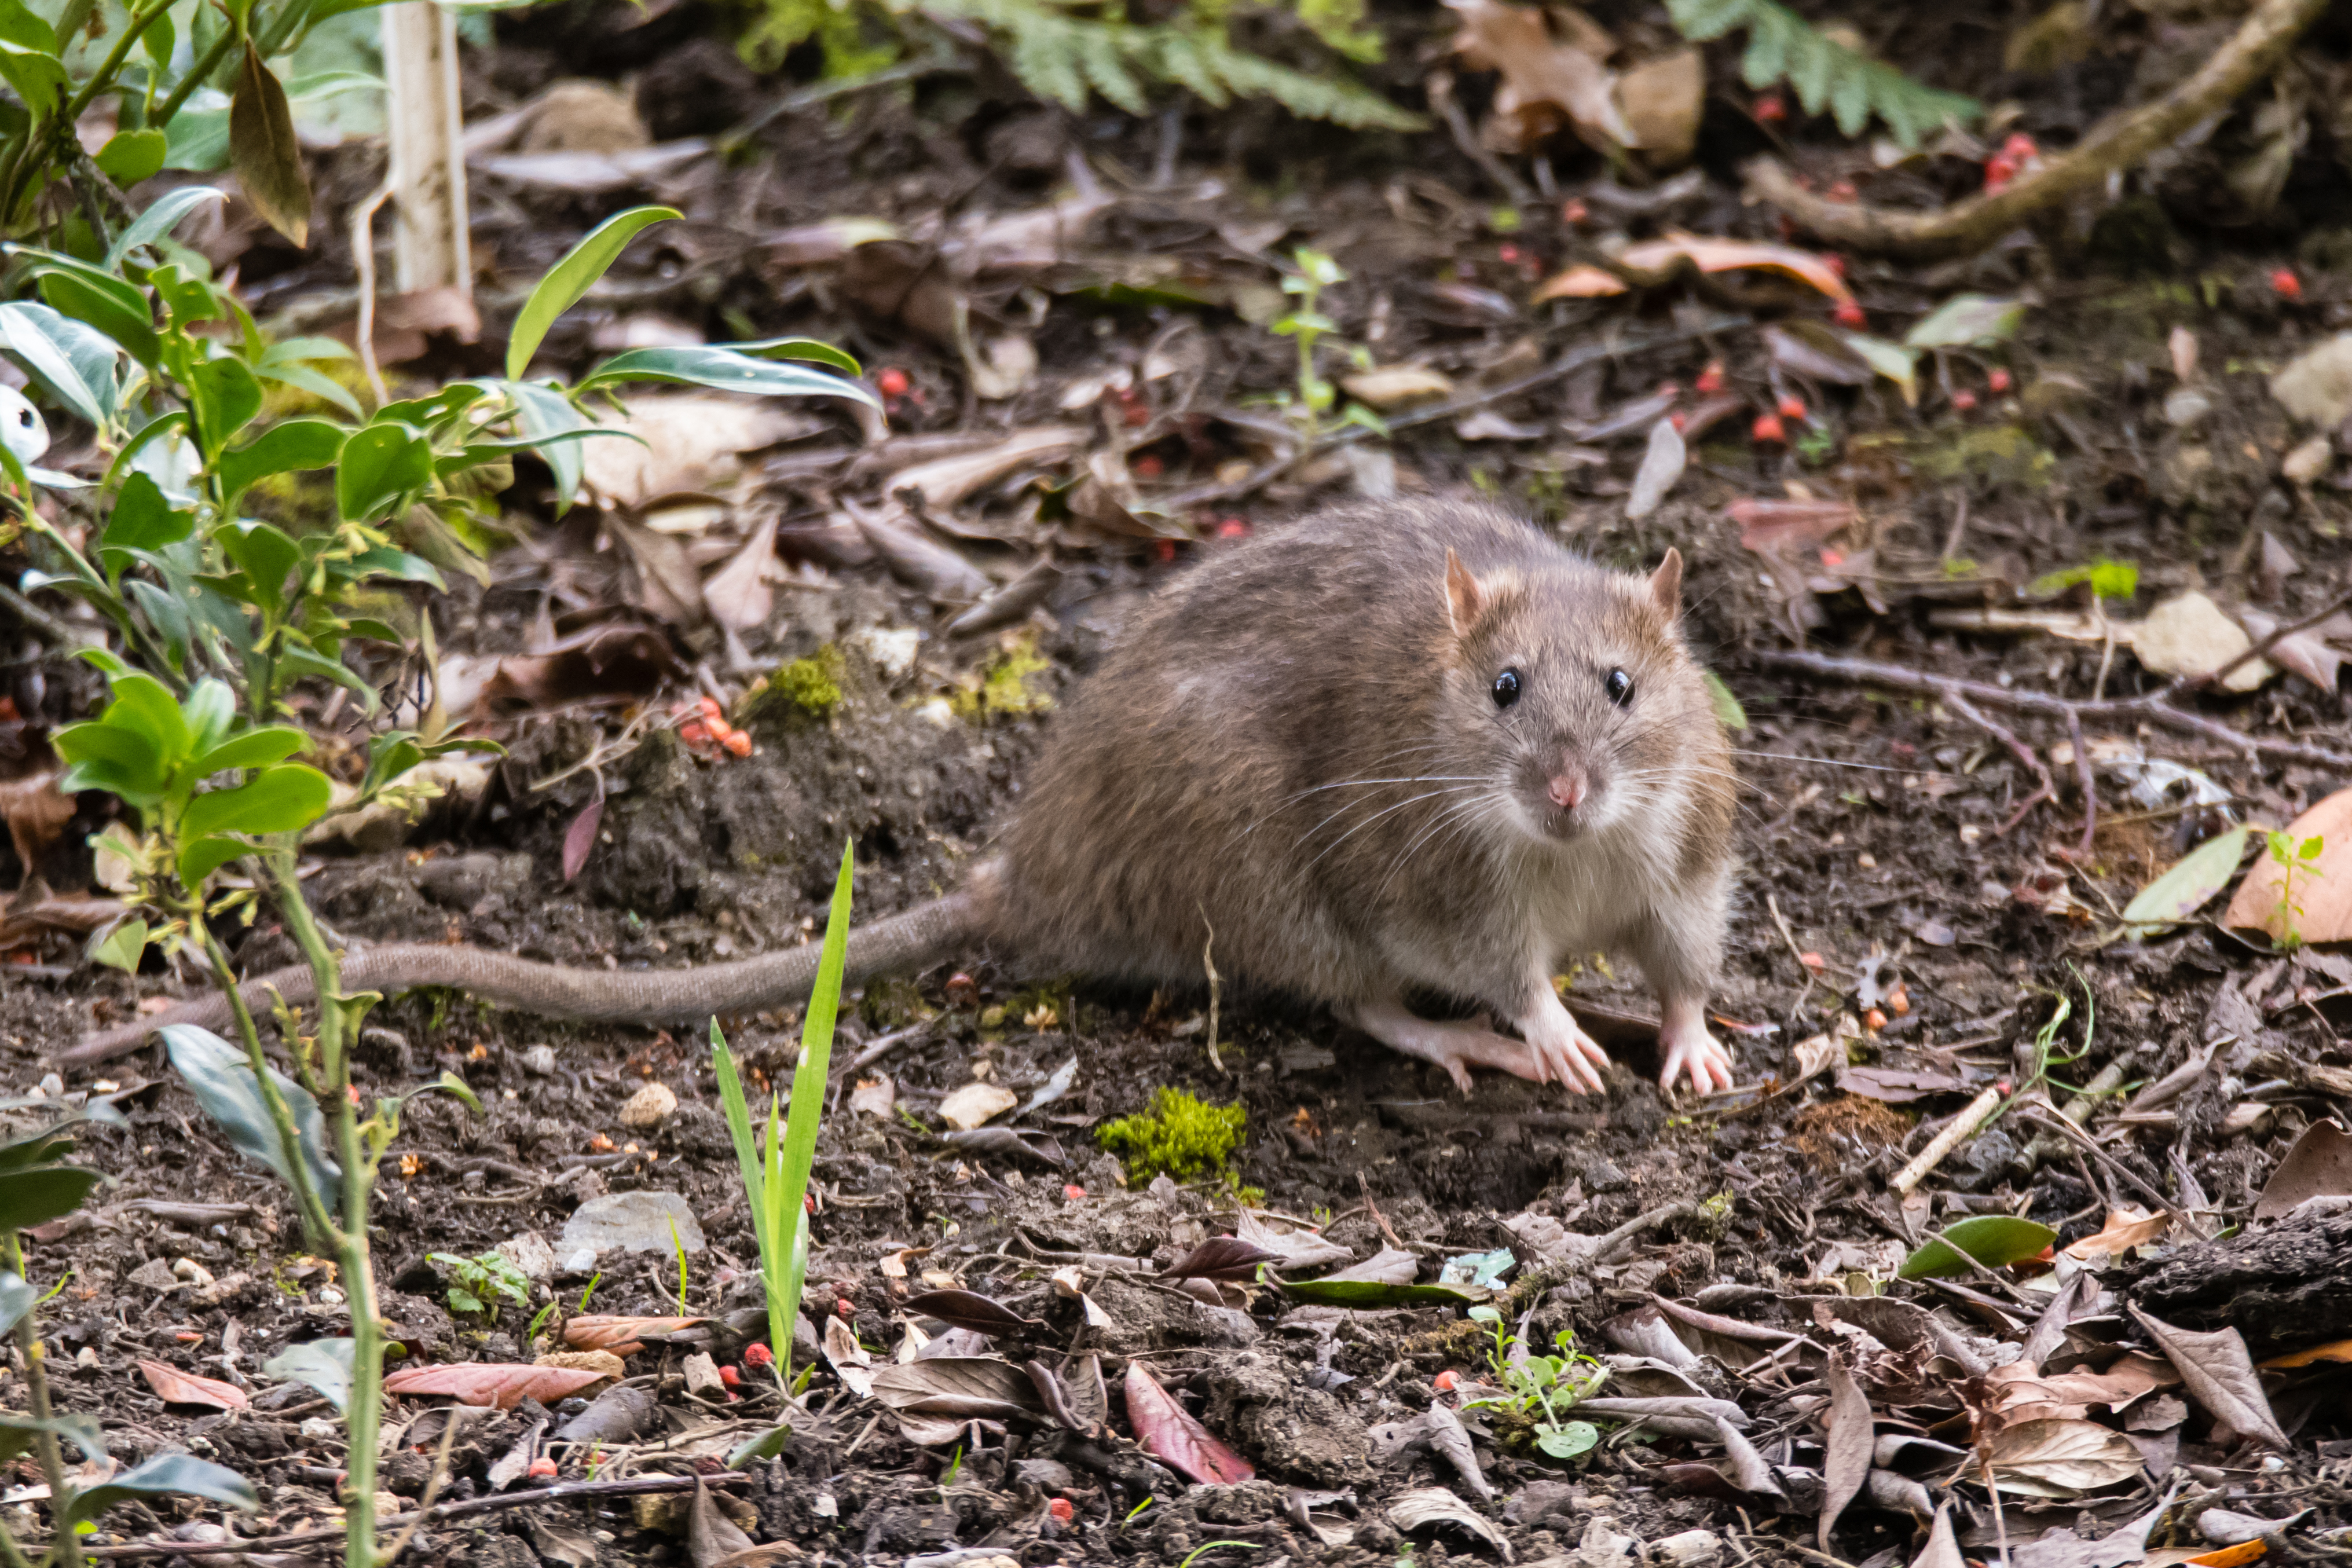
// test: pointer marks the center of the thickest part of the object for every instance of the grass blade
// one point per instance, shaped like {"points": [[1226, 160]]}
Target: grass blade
{"points": [[789, 1194]]}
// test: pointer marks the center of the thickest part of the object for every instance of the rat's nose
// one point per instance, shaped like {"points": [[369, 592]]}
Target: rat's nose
{"points": [[1568, 788]]}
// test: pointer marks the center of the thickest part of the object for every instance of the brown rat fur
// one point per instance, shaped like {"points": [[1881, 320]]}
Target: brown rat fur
{"points": [[1300, 747]]}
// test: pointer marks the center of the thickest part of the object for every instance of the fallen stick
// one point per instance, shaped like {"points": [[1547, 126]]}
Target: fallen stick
{"points": [[1963, 1127], [2119, 142], [568, 1491], [2153, 709]]}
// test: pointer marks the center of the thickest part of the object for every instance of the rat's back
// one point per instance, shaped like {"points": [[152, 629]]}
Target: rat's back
{"points": [[1202, 781]]}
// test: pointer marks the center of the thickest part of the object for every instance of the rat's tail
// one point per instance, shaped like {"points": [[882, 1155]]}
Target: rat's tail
{"points": [[900, 944]]}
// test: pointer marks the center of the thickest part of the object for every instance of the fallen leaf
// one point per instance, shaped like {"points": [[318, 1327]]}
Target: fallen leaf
{"points": [[1293, 1247], [970, 1309], [37, 814], [1849, 1443], [964, 1387], [1662, 467], [1396, 386], [2306, 653], [621, 1335], [1768, 525], [1655, 260], [1450, 1440], [609, 660], [1546, 81], [952, 480], [2323, 884], [1967, 321], [2230, 1556], [1992, 1240], [2338, 1350], [967, 1107], [1942, 1550], [579, 838], [497, 1384], [684, 442], [1662, 100], [2126, 1228], [2318, 1164], [2187, 635], [1222, 1258], [711, 1537], [876, 1097], [1435, 1505], [174, 1386], [852, 1363], [740, 595], [2220, 1376], [2060, 1458], [1815, 352], [661, 579], [2187, 886], [1170, 1436]]}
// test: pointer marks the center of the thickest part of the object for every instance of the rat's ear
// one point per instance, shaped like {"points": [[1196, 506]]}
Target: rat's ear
{"points": [[1464, 600], [1666, 584]]}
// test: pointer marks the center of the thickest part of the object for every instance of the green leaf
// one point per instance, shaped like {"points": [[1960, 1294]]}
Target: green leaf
{"points": [[264, 152], [222, 1080], [1375, 1293], [798, 1151], [142, 520], [142, 703], [724, 370], [1727, 710], [116, 758], [209, 708], [800, 348], [295, 447], [36, 75], [1892, 360], [266, 556], [572, 277], [56, 350], [322, 1365], [102, 301], [200, 858], [381, 462], [316, 382], [1568, 1439], [226, 397], [2189, 886], [120, 949], [1995, 1240], [163, 1476], [399, 566], [17, 1298], [766, 1445], [159, 220], [281, 799], [43, 1193], [21, 27], [18, 1432], [253, 749], [547, 417], [1967, 321], [130, 156]]}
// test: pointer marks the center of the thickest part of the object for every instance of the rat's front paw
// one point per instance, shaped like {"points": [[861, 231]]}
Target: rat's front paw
{"points": [[1690, 1051], [1563, 1051]]}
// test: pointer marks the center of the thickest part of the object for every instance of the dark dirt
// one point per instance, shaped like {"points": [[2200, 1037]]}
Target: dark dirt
{"points": [[1869, 827]]}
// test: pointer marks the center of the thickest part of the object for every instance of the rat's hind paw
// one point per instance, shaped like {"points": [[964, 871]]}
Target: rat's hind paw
{"points": [[1456, 1047]]}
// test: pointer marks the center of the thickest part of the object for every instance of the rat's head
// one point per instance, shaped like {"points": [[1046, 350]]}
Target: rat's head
{"points": [[1569, 687]]}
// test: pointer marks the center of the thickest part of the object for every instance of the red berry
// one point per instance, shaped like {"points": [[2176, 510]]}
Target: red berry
{"points": [[1998, 380], [1832, 559], [731, 1377], [1791, 407], [1163, 550], [1147, 467], [1769, 109], [1998, 171], [1232, 528], [2286, 284], [2020, 149], [1843, 191], [1573, 211], [1767, 427], [1874, 1020], [1964, 400], [1063, 1509], [1072, 1193], [1834, 262], [891, 383], [1444, 1381], [1507, 254], [1710, 380], [1679, 421], [759, 1355], [844, 1308], [1670, 389], [1849, 315], [542, 1469]]}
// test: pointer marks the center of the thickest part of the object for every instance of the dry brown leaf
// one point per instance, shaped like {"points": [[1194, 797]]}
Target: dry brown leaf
{"points": [[2326, 898], [950, 480], [1546, 82], [2339, 1350], [501, 1385], [1662, 99], [2060, 1458], [967, 1107], [1655, 260], [174, 1386], [1851, 1439], [686, 442], [620, 1334], [1768, 525], [37, 814], [2306, 653], [711, 1538], [1170, 1435], [2126, 1228], [2317, 1165], [2220, 1376], [875, 1096], [739, 594]]}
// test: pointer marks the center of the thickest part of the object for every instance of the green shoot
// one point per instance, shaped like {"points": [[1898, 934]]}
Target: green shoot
{"points": [[477, 1285], [1213, 1545], [1543, 1388], [679, 1242], [2293, 856], [589, 1290], [775, 1177]]}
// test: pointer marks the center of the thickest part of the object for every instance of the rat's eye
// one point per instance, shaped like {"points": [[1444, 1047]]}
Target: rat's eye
{"points": [[1506, 690], [1620, 687]]}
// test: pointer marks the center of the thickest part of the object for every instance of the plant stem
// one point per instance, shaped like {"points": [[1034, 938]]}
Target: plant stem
{"points": [[196, 76], [313, 1204], [103, 78], [364, 1415], [36, 1391]]}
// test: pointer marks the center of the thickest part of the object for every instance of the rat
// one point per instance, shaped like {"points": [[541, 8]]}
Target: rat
{"points": [[1390, 751]]}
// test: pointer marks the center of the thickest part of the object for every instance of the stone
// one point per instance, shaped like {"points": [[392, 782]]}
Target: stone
{"points": [[649, 1107], [2316, 386]]}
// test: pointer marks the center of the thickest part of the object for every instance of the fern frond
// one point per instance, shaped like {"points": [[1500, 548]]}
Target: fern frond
{"points": [[1824, 74]]}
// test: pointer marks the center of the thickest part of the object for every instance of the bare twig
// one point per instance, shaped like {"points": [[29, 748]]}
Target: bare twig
{"points": [[1962, 1127], [2261, 646], [2088, 780], [1439, 88], [2045, 787], [1795, 951], [2150, 709], [363, 261], [2119, 142]]}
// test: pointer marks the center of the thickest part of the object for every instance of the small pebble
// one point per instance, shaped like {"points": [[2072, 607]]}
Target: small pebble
{"points": [[540, 1061], [649, 1107]]}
